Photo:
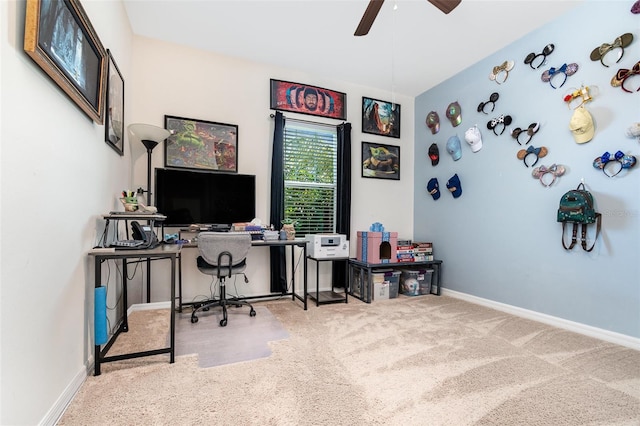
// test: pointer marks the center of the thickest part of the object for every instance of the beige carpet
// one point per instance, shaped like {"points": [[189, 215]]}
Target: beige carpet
{"points": [[408, 361]]}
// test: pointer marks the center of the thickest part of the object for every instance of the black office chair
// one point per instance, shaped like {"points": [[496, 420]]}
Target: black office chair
{"points": [[222, 254]]}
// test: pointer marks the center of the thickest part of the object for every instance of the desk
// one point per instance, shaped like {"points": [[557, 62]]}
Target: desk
{"points": [[151, 218], [262, 243], [366, 288], [168, 251]]}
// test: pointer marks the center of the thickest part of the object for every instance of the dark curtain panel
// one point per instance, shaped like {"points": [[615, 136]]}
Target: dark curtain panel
{"points": [[277, 254], [343, 219]]}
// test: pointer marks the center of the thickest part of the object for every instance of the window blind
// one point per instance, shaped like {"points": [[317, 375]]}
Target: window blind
{"points": [[310, 173]]}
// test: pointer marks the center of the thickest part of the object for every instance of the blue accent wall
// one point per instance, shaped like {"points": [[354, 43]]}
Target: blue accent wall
{"points": [[500, 240]]}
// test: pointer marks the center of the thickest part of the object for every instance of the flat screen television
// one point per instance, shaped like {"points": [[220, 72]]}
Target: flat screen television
{"points": [[209, 198]]}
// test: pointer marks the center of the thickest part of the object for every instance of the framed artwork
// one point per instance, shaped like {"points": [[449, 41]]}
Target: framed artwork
{"points": [[380, 161], [380, 117], [60, 39], [200, 144], [306, 99], [114, 119]]}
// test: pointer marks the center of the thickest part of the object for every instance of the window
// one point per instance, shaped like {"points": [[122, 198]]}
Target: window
{"points": [[310, 174]]}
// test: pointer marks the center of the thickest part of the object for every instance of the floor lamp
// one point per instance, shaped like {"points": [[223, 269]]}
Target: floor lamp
{"points": [[149, 136]]}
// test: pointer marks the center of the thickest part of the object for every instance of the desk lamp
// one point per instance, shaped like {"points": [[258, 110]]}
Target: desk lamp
{"points": [[149, 136]]}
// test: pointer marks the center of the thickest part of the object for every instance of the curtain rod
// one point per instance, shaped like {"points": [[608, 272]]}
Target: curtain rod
{"points": [[308, 122]]}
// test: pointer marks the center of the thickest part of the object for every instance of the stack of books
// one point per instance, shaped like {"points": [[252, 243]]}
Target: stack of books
{"points": [[422, 252], [404, 251]]}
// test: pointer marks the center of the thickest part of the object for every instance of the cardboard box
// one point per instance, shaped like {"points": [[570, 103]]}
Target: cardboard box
{"points": [[377, 247]]}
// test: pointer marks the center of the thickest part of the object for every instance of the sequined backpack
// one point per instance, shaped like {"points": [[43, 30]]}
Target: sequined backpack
{"points": [[577, 207]]}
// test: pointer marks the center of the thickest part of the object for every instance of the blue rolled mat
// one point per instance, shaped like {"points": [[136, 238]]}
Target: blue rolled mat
{"points": [[100, 315]]}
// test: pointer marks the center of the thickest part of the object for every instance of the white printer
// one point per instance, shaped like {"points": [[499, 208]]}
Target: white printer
{"points": [[326, 246]]}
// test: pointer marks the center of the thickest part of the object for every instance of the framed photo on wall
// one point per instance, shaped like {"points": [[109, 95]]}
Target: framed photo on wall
{"points": [[60, 39], [306, 99], [200, 144], [380, 117], [380, 161], [114, 119]]}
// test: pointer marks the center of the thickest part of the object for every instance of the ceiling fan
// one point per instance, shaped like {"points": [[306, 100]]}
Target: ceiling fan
{"points": [[374, 7]]}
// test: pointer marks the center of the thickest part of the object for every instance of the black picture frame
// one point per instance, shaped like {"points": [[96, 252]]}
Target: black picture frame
{"points": [[201, 145], [114, 116], [380, 161], [380, 117], [59, 37], [290, 96]]}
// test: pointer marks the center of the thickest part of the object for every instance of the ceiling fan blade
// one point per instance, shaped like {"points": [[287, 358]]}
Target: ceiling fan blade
{"points": [[369, 16], [445, 5]]}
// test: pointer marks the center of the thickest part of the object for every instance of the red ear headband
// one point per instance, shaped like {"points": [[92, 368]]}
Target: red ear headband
{"points": [[623, 74]]}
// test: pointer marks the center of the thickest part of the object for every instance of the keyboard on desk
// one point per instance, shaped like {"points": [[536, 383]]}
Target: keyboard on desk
{"points": [[127, 244]]}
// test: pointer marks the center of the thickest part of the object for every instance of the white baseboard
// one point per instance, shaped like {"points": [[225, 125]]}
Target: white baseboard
{"points": [[587, 330], [56, 411], [148, 306]]}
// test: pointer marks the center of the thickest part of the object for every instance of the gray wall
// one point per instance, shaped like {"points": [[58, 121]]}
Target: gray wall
{"points": [[500, 240]]}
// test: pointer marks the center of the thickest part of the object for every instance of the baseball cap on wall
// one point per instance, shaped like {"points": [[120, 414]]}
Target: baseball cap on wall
{"points": [[454, 113], [434, 154], [454, 148], [433, 122], [581, 125], [473, 138]]}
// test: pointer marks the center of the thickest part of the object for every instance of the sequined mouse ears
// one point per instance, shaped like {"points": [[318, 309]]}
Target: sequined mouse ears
{"points": [[500, 73], [623, 74], [619, 159], [620, 42], [566, 70], [547, 175]]}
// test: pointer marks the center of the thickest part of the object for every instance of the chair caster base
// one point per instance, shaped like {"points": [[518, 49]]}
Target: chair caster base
{"points": [[223, 323], [252, 312], [194, 320]]}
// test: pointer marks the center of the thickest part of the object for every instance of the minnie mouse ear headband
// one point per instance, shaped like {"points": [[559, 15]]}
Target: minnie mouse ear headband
{"points": [[565, 70], [501, 121], [540, 172], [532, 57], [582, 92], [623, 74], [530, 131], [538, 152], [483, 106], [623, 162], [501, 70], [620, 42]]}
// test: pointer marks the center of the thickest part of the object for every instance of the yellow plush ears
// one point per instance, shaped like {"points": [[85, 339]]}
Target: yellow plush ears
{"points": [[620, 42]]}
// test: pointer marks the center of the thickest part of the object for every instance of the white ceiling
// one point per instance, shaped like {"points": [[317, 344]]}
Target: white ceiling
{"points": [[407, 51]]}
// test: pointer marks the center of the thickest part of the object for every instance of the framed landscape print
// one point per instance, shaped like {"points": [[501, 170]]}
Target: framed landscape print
{"points": [[306, 99], [380, 161], [380, 117], [200, 144], [60, 39], [114, 120]]}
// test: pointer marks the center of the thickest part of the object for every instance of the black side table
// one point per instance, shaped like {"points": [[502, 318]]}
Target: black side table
{"points": [[328, 296]]}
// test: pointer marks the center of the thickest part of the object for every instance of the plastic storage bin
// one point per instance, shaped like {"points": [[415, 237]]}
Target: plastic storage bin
{"points": [[416, 282]]}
